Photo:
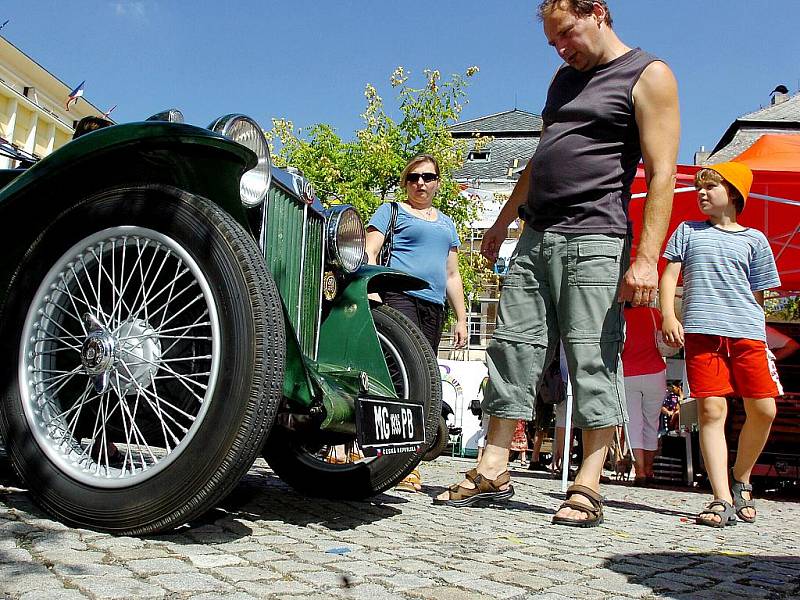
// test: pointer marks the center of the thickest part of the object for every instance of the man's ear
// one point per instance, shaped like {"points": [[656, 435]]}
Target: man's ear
{"points": [[599, 13]]}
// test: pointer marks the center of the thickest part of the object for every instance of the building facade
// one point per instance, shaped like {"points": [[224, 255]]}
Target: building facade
{"points": [[33, 116]]}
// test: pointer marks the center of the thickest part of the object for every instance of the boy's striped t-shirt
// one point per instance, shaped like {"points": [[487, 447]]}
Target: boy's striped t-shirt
{"points": [[721, 270]]}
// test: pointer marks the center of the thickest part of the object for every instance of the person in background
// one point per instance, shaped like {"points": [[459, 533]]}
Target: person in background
{"points": [[645, 382], [425, 244], [726, 269], [89, 124], [670, 409]]}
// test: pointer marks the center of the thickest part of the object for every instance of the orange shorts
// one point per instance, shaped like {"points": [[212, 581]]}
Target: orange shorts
{"points": [[723, 366]]}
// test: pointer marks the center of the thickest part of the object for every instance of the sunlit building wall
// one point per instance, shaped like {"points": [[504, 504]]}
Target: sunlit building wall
{"points": [[32, 112]]}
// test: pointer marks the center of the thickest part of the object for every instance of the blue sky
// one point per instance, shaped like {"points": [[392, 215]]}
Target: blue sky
{"points": [[309, 60]]}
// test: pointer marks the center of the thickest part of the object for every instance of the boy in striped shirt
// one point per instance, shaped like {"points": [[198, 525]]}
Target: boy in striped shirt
{"points": [[726, 268]]}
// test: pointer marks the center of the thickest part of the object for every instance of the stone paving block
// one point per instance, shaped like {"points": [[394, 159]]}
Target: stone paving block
{"points": [[494, 588], [614, 586], [404, 581], [68, 556], [206, 561], [328, 579], [188, 582], [218, 596], [125, 553], [39, 581], [528, 581], [273, 589], [357, 567], [157, 566], [447, 593], [237, 574], [62, 594], [124, 588], [371, 591], [13, 555], [291, 566], [91, 570]]}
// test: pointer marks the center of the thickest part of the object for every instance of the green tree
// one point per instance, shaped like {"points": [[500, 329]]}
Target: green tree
{"points": [[365, 171]]}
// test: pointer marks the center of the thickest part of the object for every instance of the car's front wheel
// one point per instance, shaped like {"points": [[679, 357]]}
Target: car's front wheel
{"points": [[147, 344], [340, 470]]}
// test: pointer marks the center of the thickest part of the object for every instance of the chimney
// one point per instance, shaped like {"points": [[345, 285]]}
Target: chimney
{"points": [[701, 156], [779, 94]]}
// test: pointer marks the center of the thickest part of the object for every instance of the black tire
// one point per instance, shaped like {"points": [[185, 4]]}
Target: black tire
{"points": [[439, 444], [307, 465], [194, 386]]}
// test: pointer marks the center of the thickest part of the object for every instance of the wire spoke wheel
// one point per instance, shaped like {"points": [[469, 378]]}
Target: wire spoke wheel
{"points": [[120, 355]]}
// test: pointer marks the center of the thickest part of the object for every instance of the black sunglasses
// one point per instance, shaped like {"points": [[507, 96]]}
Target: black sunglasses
{"points": [[426, 177]]}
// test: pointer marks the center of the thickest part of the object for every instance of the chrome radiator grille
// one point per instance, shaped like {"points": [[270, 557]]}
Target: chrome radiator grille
{"points": [[294, 247]]}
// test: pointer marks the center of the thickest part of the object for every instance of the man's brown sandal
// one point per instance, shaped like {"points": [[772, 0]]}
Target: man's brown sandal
{"points": [[594, 513], [486, 490]]}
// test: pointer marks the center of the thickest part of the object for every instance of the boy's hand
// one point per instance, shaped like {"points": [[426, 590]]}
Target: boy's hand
{"points": [[672, 331]]}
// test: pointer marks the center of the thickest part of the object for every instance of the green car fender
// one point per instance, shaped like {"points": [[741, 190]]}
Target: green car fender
{"points": [[190, 158], [348, 340]]}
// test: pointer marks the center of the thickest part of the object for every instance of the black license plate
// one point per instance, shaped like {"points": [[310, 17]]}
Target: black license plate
{"points": [[389, 426]]}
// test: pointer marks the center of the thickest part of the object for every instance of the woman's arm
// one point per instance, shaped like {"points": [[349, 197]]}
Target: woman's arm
{"points": [[671, 327], [374, 243], [455, 294]]}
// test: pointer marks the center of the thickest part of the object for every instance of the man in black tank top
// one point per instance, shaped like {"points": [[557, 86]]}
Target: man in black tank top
{"points": [[607, 107]]}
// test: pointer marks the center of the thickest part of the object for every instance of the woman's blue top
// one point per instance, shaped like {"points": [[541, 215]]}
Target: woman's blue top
{"points": [[420, 248]]}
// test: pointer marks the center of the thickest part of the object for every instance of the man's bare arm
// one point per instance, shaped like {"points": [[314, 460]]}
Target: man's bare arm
{"points": [[496, 234], [658, 117]]}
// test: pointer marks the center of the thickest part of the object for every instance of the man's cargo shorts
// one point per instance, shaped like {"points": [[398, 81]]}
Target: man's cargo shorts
{"points": [[561, 286]]}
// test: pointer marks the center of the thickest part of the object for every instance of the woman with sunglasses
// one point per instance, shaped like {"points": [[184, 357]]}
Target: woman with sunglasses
{"points": [[425, 244]]}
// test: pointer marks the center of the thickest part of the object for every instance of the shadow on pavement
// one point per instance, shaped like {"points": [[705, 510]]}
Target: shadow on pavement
{"points": [[708, 575]]}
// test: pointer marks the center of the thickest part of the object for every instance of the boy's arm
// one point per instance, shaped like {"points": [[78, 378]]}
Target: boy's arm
{"points": [[671, 328], [759, 296]]}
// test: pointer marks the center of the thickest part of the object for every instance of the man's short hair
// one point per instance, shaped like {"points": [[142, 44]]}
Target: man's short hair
{"points": [[580, 8], [711, 176]]}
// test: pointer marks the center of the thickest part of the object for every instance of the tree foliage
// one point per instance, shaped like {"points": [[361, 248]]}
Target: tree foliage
{"points": [[365, 171]]}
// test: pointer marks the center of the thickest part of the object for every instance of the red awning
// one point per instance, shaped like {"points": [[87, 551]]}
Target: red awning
{"points": [[773, 205]]}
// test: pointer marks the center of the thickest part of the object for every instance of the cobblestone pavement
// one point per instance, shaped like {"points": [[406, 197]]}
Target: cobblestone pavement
{"points": [[266, 541]]}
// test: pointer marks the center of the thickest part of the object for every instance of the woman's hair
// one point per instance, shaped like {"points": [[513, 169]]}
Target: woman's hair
{"points": [[419, 158], [711, 176], [580, 8]]}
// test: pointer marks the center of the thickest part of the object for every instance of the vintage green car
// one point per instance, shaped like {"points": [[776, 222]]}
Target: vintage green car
{"points": [[172, 307]]}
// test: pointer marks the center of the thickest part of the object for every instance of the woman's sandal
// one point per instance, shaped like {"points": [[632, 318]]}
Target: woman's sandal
{"points": [[594, 513], [740, 502], [411, 483], [484, 490], [727, 516]]}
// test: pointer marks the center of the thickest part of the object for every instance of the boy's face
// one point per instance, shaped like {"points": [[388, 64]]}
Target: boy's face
{"points": [[713, 199]]}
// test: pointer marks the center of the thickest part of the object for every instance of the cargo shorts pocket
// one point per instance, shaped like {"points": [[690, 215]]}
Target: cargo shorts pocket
{"points": [[597, 262]]}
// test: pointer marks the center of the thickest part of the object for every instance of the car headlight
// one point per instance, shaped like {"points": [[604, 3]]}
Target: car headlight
{"points": [[346, 238], [244, 130]]}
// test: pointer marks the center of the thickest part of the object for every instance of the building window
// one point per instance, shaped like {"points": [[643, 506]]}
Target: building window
{"points": [[478, 156]]}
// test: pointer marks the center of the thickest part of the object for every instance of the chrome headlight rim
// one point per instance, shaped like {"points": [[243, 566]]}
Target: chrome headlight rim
{"points": [[255, 182], [347, 255]]}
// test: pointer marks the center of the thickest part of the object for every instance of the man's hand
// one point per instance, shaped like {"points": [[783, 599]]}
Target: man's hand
{"points": [[460, 334], [672, 331], [492, 240], [640, 284]]}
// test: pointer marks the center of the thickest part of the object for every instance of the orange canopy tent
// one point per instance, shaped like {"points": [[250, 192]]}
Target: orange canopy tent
{"points": [[773, 205]]}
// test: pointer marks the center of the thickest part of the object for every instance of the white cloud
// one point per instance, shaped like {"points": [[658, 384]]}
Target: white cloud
{"points": [[130, 8]]}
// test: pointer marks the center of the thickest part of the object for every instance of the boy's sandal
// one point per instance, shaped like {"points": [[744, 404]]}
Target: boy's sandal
{"points": [[740, 502], [484, 490], [411, 483], [727, 516], [594, 513]]}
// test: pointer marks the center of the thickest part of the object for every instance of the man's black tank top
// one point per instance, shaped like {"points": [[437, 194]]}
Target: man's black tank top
{"points": [[587, 157]]}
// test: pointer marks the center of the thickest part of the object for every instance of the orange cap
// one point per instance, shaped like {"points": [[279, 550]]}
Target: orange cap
{"points": [[737, 174]]}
